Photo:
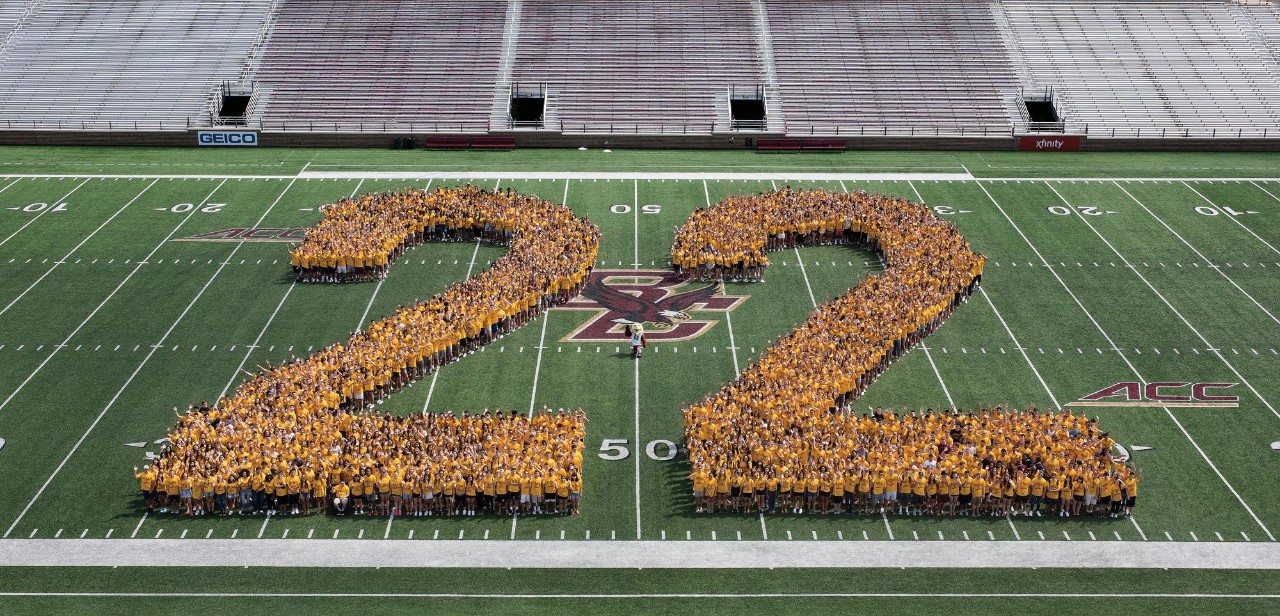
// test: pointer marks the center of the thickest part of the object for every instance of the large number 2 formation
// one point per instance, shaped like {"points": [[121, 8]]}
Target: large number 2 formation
{"points": [[301, 430]]}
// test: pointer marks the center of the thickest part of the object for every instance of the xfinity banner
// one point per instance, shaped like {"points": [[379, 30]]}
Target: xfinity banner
{"points": [[228, 137], [1056, 143]]}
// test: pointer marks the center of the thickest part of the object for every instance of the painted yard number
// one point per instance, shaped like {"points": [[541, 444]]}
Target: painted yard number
{"points": [[614, 449], [1214, 211], [183, 208], [40, 207], [946, 210], [1087, 210], [623, 208]]}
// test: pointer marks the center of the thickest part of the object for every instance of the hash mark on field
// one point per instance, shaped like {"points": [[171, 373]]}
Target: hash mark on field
{"points": [[915, 535], [112, 530], [1193, 536], [1246, 537], [159, 532], [83, 533], [33, 533], [335, 533], [234, 532], [1064, 534], [1219, 536], [1092, 537], [183, 535], [991, 535], [58, 534], [1041, 533], [1167, 536], [1117, 534]]}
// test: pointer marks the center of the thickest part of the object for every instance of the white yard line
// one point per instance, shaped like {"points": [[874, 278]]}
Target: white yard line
{"points": [[86, 320], [77, 247], [635, 212], [46, 210], [1021, 349], [884, 516], [1236, 219], [643, 554], [1211, 264], [924, 347], [431, 390], [1016, 535], [155, 347], [1176, 312], [636, 454], [804, 273], [263, 331], [537, 366], [1121, 354], [1139, 528]]}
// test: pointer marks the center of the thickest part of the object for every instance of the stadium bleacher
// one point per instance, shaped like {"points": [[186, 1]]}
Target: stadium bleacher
{"points": [[635, 66], [825, 68], [348, 65], [907, 67], [149, 64], [1133, 69]]}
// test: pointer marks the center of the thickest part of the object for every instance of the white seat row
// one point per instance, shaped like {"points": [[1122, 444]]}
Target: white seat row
{"points": [[91, 64]]}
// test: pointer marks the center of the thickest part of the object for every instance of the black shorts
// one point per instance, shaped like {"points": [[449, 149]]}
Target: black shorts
{"points": [[735, 492], [1131, 502], [965, 499]]}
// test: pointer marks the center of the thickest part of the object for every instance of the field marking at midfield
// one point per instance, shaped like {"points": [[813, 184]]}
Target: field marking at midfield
{"points": [[127, 278], [1236, 219], [77, 247], [1198, 253], [642, 554], [44, 211], [1123, 357], [1176, 312], [155, 347], [636, 361], [808, 595]]}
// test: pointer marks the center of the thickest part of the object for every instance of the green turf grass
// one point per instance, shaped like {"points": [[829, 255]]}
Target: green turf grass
{"points": [[973, 354]]}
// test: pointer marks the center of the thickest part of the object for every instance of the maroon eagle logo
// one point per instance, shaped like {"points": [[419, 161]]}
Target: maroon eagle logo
{"points": [[656, 298]]}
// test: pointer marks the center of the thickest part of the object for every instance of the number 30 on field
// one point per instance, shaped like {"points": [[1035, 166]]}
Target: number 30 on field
{"points": [[614, 449]]}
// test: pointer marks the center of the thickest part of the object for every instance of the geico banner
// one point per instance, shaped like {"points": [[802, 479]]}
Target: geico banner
{"points": [[228, 137]]}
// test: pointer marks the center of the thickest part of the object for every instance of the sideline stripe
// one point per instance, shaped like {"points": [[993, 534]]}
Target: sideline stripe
{"points": [[804, 595], [572, 554]]}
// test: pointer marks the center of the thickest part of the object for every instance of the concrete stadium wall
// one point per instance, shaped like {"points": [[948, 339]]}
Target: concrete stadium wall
{"points": [[529, 139]]}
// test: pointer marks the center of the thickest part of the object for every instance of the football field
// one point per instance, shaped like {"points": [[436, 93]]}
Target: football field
{"points": [[136, 281]]}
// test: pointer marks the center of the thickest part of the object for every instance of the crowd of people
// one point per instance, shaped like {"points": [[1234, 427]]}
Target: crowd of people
{"points": [[786, 422], [302, 436], [989, 462]]}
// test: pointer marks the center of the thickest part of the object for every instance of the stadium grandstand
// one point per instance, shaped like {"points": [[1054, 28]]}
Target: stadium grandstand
{"points": [[547, 72]]}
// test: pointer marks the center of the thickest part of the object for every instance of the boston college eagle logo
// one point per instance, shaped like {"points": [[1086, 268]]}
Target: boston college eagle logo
{"points": [[656, 298]]}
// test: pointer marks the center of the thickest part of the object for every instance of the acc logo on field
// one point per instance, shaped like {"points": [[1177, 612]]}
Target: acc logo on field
{"points": [[656, 298], [260, 234], [1161, 394], [227, 137]]}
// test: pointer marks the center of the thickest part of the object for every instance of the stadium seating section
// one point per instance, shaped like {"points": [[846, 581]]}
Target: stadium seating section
{"points": [[826, 68]]}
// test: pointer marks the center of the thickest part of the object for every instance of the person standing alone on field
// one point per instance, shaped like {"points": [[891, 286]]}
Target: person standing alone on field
{"points": [[638, 342]]}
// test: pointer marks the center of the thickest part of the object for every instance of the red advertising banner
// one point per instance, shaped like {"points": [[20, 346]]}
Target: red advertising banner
{"points": [[1055, 143]]}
